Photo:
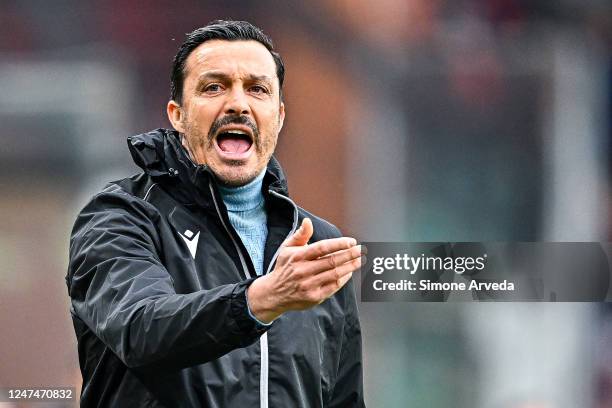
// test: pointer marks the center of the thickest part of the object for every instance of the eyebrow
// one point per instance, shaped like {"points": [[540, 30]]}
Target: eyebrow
{"points": [[223, 76]]}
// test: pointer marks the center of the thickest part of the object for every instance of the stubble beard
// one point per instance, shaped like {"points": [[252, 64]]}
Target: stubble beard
{"points": [[230, 173]]}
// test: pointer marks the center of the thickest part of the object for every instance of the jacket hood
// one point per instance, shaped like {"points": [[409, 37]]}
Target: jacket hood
{"points": [[161, 155]]}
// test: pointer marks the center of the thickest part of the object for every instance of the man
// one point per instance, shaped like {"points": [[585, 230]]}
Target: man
{"points": [[199, 283]]}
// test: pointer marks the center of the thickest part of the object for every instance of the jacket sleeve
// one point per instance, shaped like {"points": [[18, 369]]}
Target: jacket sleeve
{"points": [[121, 290], [348, 389]]}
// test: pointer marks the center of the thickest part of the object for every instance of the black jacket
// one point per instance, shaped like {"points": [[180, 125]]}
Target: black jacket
{"points": [[158, 326]]}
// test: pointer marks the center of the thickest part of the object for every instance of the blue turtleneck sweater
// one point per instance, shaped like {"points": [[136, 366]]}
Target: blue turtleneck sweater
{"points": [[245, 207]]}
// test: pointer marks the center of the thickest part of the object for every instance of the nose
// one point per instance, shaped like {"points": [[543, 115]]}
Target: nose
{"points": [[237, 103]]}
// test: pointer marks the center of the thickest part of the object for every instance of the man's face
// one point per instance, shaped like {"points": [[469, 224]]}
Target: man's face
{"points": [[231, 112]]}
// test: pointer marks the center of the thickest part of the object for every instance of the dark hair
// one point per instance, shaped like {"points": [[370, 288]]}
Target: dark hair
{"points": [[220, 30]]}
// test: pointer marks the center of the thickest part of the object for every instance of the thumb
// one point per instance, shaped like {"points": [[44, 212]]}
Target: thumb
{"points": [[302, 235]]}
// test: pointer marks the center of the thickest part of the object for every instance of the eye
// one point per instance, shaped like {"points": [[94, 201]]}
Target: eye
{"points": [[258, 89], [212, 88]]}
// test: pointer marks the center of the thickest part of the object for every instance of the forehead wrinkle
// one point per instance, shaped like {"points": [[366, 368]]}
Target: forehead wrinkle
{"points": [[209, 55]]}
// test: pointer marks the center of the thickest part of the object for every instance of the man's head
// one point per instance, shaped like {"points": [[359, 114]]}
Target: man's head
{"points": [[227, 99]]}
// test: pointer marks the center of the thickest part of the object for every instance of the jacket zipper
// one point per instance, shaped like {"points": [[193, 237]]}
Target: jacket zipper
{"points": [[263, 341], [293, 228], [245, 268]]}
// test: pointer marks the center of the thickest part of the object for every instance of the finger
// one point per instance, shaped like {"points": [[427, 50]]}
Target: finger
{"points": [[334, 259], [328, 246], [302, 235], [363, 248], [331, 276]]}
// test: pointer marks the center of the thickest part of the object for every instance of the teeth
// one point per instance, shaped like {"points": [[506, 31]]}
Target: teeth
{"points": [[238, 132]]}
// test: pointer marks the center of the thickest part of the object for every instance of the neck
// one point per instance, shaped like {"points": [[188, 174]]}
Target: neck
{"points": [[245, 197], [185, 144]]}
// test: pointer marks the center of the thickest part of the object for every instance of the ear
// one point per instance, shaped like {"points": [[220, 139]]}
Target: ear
{"points": [[175, 116], [281, 116]]}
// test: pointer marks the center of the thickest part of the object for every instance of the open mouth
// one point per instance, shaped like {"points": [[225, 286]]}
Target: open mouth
{"points": [[234, 141]]}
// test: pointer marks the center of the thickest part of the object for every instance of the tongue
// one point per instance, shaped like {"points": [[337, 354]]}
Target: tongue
{"points": [[234, 145]]}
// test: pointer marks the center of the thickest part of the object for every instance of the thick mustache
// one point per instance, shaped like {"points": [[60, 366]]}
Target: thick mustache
{"points": [[229, 120]]}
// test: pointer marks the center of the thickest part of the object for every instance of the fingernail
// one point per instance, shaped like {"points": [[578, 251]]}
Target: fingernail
{"points": [[364, 249], [364, 259], [353, 242]]}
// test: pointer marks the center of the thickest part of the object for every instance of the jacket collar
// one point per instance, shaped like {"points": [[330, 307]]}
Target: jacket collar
{"points": [[162, 156]]}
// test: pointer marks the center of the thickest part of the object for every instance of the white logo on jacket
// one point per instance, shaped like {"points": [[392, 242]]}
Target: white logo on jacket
{"points": [[191, 240]]}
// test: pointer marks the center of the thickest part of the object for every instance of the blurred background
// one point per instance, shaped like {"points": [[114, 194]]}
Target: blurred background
{"points": [[417, 120]]}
